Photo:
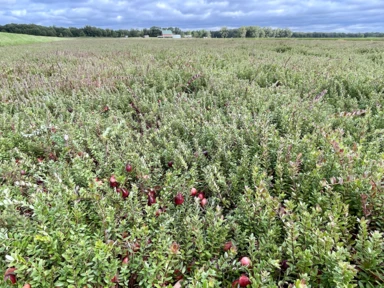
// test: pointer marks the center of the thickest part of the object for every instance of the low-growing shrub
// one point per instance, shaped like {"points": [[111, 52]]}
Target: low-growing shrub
{"points": [[102, 141]]}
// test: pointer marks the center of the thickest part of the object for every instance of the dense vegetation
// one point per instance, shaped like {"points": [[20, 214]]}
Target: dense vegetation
{"points": [[102, 141], [18, 39], [224, 32]]}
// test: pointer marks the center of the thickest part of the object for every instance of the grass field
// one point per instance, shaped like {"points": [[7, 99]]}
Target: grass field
{"points": [[143, 163], [7, 39], [343, 39]]}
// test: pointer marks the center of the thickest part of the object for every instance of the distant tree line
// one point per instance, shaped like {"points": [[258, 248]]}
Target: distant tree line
{"points": [[154, 31], [336, 35], [87, 31], [252, 32]]}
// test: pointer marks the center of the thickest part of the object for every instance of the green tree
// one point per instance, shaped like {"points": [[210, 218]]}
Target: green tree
{"points": [[261, 32], [224, 32], [205, 33], [195, 34], [242, 32], [178, 31], [269, 32], [288, 33], [134, 33], [154, 31]]}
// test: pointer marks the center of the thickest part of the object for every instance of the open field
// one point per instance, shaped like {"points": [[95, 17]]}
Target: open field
{"points": [[343, 39], [318, 39], [7, 39], [102, 140]]}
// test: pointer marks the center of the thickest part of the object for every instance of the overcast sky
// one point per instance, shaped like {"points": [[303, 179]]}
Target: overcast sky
{"points": [[298, 15]]}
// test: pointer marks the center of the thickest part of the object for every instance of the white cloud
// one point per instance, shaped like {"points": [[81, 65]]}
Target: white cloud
{"points": [[276, 11], [19, 13], [161, 5]]}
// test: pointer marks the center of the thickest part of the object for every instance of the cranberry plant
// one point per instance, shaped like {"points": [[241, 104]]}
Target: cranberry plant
{"points": [[192, 163]]}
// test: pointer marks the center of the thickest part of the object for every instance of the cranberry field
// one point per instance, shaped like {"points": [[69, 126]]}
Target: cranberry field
{"points": [[192, 163]]}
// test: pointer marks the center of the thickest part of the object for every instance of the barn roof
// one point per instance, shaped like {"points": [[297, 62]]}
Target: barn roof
{"points": [[166, 32]]}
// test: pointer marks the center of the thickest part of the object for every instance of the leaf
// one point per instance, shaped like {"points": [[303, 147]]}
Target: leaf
{"points": [[9, 258]]}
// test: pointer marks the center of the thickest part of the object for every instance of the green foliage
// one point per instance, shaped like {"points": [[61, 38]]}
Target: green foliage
{"points": [[285, 139], [7, 39]]}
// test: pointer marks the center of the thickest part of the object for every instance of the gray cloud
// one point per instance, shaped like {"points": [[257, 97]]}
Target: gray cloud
{"points": [[299, 15]]}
